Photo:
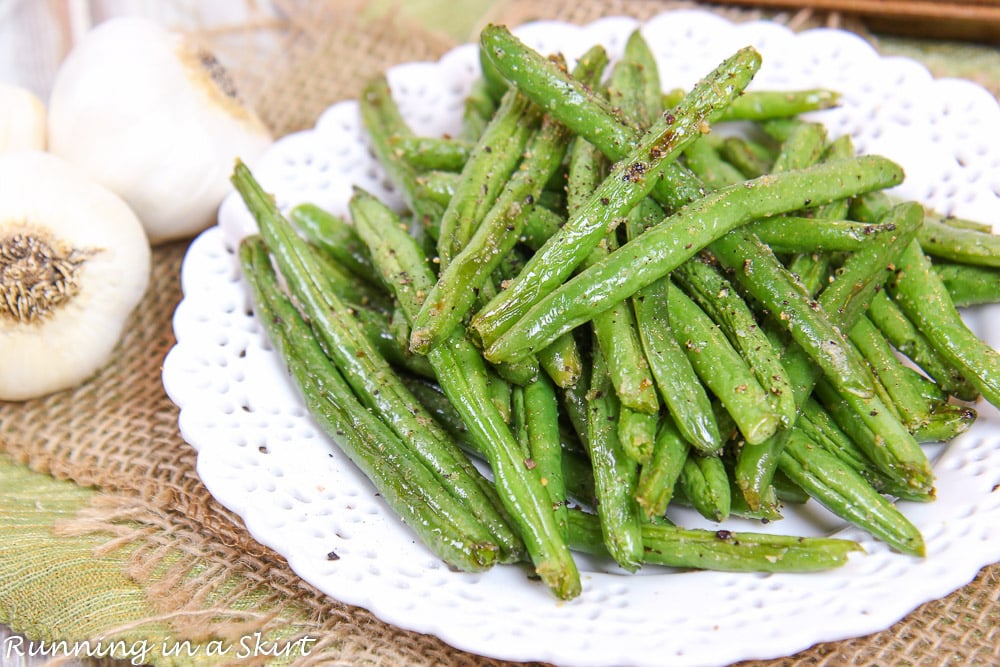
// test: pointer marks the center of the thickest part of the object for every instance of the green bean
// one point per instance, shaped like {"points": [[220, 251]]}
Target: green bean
{"points": [[562, 361], [967, 246], [438, 187], [408, 486], [763, 105], [839, 148], [817, 424], [795, 234], [746, 156], [575, 469], [845, 298], [706, 486], [904, 336], [615, 329], [461, 373], [903, 466], [539, 224], [677, 239], [551, 87], [499, 391], [637, 433], [378, 328], [721, 550], [962, 223], [945, 422], [769, 506], [494, 82], [879, 385], [585, 112], [434, 153], [615, 474], [495, 156], [756, 466], [898, 453], [808, 261], [819, 427], [624, 89], [777, 291], [658, 478], [335, 236], [519, 422], [630, 180], [714, 294], [812, 270], [455, 290], [430, 395], [754, 470], [477, 110], [801, 147], [702, 158], [574, 404], [381, 119], [808, 324], [492, 161], [920, 294], [722, 369], [643, 103], [521, 372], [904, 385], [969, 285], [370, 375], [541, 405], [847, 494], [859, 280], [679, 386], [944, 237], [780, 129], [346, 285]]}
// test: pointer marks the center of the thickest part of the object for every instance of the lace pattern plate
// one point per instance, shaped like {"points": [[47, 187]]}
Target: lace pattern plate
{"points": [[260, 454]]}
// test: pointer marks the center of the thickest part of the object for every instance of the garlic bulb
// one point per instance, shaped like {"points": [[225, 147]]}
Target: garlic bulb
{"points": [[22, 119], [154, 119], [74, 263]]}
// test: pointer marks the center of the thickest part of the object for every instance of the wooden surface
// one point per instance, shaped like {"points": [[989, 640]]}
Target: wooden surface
{"points": [[977, 20]]}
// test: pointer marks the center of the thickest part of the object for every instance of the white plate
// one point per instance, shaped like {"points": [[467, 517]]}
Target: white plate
{"points": [[261, 455]]}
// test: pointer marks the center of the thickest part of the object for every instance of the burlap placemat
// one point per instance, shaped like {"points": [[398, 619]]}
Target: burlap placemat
{"points": [[197, 564]]}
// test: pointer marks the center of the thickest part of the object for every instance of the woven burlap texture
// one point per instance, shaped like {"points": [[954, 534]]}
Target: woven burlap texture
{"points": [[199, 568]]}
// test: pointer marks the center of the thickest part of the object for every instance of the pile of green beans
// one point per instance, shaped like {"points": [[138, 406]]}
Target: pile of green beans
{"points": [[620, 306]]}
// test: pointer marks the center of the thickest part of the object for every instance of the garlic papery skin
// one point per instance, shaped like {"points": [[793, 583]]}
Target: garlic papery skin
{"points": [[156, 120], [23, 119], [74, 264]]}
